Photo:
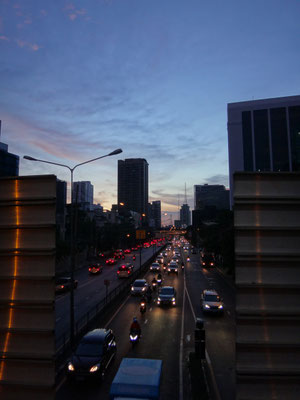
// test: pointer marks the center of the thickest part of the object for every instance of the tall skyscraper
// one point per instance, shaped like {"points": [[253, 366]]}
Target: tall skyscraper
{"points": [[211, 195], [264, 135], [185, 215], [83, 192], [133, 184], [9, 163], [156, 213]]}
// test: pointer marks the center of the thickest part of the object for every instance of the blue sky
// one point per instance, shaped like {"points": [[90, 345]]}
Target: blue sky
{"points": [[81, 78]]}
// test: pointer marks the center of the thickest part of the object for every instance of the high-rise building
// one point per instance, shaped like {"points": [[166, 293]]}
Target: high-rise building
{"points": [[156, 213], [133, 185], [211, 195], [83, 194], [9, 163], [264, 135], [61, 201], [185, 215]]}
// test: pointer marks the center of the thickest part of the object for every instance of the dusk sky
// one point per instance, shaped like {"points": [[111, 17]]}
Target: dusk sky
{"points": [[153, 77]]}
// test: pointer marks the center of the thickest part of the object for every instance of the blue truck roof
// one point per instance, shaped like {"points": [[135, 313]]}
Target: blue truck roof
{"points": [[137, 378]]}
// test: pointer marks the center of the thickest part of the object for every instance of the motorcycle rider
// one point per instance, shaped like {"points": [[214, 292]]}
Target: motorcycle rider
{"points": [[182, 265], [159, 278], [165, 267], [149, 294], [154, 283], [135, 327]]}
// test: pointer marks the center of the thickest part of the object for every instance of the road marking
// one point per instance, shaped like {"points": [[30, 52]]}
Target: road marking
{"points": [[228, 312], [150, 309], [145, 322], [118, 310], [188, 338]]}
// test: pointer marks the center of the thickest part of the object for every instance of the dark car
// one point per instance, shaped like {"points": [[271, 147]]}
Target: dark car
{"points": [[166, 295], [63, 284], [208, 260], [125, 270], [93, 355], [155, 267], [110, 261], [95, 269], [173, 268]]}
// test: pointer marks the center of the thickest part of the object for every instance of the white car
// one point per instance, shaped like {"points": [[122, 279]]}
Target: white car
{"points": [[155, 267], [211, 302], [139, 287], [160, 259]]}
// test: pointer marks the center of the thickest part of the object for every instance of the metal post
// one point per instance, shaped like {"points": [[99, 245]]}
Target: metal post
{"points": [[72, 341], [140, 258]]}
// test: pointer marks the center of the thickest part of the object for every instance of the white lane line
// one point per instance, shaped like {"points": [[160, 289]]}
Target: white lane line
{"points": [[188, 338], [150, 309], [181, 345], [228, 312], [118, 310], [145, 322]]}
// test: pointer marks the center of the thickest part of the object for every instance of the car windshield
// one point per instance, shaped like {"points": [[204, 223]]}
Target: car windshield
{"points": [[139, 284], [89, 349], [212, 297], [169, 291], [155, 265]]}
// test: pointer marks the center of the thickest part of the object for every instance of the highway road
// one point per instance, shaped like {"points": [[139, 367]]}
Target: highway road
{"points": [[91, 290], [168, 334]]}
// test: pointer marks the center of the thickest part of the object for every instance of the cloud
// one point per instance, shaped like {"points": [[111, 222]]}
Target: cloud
{"points": [[218, 180], [44, 12], [4, 38], [28, 45], [72, 17]]}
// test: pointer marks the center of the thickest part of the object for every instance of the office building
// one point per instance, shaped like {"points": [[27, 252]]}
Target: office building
{"points": [[185, 215], [264, 135], [9, 163], [155, 213], [211, 195], [83, 194], [133, 185], [61, 201]]}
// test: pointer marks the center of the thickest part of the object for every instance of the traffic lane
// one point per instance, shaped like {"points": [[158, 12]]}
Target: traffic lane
{"points": [[220, 331], [90, 291], [160, 340]]}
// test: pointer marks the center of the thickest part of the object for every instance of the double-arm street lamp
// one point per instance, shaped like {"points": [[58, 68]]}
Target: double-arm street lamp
{"points": [[72, 319]]}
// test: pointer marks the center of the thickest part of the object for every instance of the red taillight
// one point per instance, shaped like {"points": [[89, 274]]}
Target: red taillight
{"points": [[128, 272], [62, 286], [90, 269], [118, 272], [211, 263]]}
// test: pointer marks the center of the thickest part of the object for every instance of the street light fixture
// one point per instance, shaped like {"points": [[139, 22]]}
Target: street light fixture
{"points": [[72, 320]]}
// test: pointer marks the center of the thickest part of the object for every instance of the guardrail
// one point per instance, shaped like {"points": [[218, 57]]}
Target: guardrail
{"points": [[86, 322]]}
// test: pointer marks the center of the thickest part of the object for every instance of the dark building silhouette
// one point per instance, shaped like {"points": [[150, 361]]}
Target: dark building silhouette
{"points": [[185, 215], [211, 195], [155, 213], [133, 185], [9, 163], [264, 135]]}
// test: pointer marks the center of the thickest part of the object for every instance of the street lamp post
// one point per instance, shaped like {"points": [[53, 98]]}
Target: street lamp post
{"points": [[72, 319]]}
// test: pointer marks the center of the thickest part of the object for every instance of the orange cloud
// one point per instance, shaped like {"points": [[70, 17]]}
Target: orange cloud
{"points": [[31, 46], [4, 38], [72, 16]]}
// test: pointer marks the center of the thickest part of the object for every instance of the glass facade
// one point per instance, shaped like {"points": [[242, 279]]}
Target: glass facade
{"points": [[279, 137], [247, 141], [261, 140], [294, 120]]}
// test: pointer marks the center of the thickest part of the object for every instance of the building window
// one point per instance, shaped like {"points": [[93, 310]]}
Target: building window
{"points": [[261, 140], [247, 141], [279, 139], [294, 119]]}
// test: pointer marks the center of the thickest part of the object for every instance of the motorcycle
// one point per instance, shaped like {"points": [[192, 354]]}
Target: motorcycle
{"points": [[154, 284], [182, 266], [159, 281], [134, 257], [143, 307], [134, 337], [149, 297], [188, 259]]}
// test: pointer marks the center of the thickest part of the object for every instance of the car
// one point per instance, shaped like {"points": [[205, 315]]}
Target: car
{"points": [[93, 355], [63, 284], [125, 270], [134, 248], [95, 269], [155, 267], [139, 287], [194, 250], [127, 251], [166, 295], [110, 261], [175, 259], [118, 253], [160, 259], [173, 267], [165, 254], [208, 260], [211, 302]]}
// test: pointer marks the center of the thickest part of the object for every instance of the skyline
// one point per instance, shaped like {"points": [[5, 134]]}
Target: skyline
{"points": [[81, 78]]}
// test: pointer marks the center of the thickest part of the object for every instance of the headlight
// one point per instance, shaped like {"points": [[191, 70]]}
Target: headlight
{"points": [[220, 306], [95, 368], [143, 289], [207, 306], [159, 299], [173, 299], [132, 288], [169, 269], [71, 367]]}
